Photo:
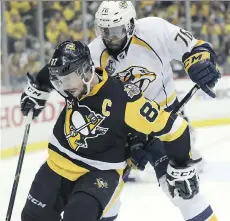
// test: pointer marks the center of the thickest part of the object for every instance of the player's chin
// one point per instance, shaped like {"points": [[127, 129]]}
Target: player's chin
{"points": [[79, 94], [76, 93]]}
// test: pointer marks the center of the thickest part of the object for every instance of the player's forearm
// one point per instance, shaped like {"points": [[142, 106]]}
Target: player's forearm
{"points": [[43, 77]]}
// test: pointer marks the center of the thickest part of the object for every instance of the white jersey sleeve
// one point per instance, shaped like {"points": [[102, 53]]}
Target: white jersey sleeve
{"points": [[96, 48], [170, 41], [177, 40]]}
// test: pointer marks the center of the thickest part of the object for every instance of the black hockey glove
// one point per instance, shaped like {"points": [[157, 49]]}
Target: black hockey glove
{"points": [[135, 152], [154, 153], [200, 64], [139, 157], [34, 97], [182, 181]]}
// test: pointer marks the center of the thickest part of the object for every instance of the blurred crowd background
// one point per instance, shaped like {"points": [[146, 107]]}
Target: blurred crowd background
{"points": [[33, 29]]}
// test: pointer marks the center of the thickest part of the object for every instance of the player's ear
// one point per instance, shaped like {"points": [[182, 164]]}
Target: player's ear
{"points": [[88, 76], [99, 70]]}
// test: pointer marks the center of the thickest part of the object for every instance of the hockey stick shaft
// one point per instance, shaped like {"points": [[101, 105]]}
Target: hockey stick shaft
{"points": [[186, 98], [78, 130], [19, 166], [180, 105]]}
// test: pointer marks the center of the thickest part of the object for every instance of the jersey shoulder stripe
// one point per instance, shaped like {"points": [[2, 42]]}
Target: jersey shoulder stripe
{"points": [[104, 59], [139, 41]]}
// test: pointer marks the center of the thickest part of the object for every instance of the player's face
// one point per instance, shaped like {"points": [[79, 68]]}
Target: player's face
{"points": [[114, 38], [72, 83]]}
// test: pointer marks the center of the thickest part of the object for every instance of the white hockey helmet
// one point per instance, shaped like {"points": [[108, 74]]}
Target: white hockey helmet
{"points": [[115, 23]]}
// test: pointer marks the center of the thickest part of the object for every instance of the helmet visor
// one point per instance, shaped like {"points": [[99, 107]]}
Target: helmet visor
{"points": [[113, 37], [71, 83]]}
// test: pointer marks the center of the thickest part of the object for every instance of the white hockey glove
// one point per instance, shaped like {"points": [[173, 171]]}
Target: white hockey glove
{"points": [[34, 97], [182, 181]]}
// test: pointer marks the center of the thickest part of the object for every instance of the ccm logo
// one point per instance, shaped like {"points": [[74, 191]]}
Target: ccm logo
{"points": [[36, 202], [33, 91], [160, 160], [182, 174]]}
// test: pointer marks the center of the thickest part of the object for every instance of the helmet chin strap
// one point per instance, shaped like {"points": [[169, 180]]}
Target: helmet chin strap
{"points": [[129, 36], [88, 83]]}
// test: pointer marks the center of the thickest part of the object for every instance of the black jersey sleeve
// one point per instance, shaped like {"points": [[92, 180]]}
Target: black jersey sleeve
{"points": [[43, 77], [147, 117]]}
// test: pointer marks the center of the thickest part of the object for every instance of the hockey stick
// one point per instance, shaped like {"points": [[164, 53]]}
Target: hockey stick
{"points": [[78, 130], [181, 104], [19, 166]]}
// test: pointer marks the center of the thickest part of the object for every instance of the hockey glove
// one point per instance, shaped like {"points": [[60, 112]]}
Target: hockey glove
{"points": [[200, 64], [34, 97], [139, 157], [135, 152], [182, 181], [154, 153]]}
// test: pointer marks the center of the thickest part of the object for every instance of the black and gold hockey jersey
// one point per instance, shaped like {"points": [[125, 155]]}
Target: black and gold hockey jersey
{"points": [[90, 134]]}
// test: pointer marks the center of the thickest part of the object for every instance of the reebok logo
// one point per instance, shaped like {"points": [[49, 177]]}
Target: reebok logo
{"points": [[35, 201]]}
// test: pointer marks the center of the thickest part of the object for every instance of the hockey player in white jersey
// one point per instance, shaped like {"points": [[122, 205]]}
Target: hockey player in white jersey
{"points": [[140, 51]]}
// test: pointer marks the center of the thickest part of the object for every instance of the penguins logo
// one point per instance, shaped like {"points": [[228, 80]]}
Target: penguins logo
{"points": [[82, 125], [101, 183], [137, 75], [70, 47]]}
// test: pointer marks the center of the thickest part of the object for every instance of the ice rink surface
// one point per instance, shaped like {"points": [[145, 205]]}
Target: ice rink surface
{"points": [[142, 201]]}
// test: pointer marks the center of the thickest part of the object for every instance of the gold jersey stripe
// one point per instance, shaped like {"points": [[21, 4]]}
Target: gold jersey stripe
{"points": [[120, 171], [140, 42], [212, 218], [104, 59], [173, 136], [98, 86], [65, 167], [134, 119], [169, 100], [198, 43], [115, 196]]}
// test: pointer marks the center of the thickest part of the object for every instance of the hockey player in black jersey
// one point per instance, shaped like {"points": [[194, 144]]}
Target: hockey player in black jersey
{"points": [[82, 176]]}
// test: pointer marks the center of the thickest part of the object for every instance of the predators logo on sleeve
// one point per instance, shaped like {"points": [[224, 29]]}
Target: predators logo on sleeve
{"points": [[82, 125]]}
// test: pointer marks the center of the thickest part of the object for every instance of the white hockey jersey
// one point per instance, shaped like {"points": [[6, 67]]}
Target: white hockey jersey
{"points": [[146, 63]]}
